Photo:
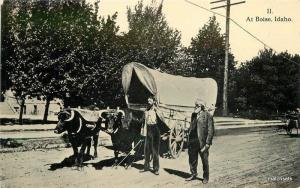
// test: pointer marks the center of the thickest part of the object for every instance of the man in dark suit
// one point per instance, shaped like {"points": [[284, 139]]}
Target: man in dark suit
{"points": [[201, 133]]}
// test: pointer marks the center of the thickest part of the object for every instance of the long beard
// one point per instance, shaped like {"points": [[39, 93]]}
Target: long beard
{"points": [[197, 110]]}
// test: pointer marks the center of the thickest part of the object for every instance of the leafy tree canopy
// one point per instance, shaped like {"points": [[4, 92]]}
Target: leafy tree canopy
{"points": [[269, 83], [150, 40], [208, 52], [60, 49]]}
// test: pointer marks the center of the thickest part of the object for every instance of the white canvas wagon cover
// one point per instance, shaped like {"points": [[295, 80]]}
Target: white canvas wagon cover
{"points": [[172, 92]]}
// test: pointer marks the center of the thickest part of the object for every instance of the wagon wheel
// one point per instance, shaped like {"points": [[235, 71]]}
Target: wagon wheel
{"points": [[176, 139]]}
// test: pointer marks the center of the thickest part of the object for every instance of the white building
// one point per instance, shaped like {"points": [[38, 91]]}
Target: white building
{"points": [[34, 107]]}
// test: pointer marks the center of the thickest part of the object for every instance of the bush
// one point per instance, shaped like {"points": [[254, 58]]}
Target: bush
{"points": [[10, 143], [256, 114]]}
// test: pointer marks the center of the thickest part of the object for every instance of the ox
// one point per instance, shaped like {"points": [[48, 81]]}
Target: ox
{"points": [[125, 134], [80, 132]]}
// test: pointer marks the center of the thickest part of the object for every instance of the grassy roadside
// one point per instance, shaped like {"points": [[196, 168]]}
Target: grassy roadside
{"points": [[11, 145]]}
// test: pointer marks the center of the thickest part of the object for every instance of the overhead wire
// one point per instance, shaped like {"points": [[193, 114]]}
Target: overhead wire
{"points": [[237, 24]]}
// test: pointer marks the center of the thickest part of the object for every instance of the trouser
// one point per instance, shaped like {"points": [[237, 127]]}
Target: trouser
{"points": [[152, 143], [193, 151]]}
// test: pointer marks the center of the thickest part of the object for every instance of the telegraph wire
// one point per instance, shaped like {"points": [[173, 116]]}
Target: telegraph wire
{"points": [[204, 8], [237, 24], [265, 45]]}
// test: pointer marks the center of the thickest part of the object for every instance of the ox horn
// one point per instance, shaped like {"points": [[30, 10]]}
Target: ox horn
{"points": [[122, 112], [72, 115]]}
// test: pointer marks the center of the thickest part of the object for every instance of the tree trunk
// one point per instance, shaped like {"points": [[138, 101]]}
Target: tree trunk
{"points": [[46, 110], [21, 111]]}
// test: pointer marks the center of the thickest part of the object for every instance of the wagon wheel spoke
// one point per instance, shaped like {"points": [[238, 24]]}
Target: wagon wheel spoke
{"points": [[175, 131], [179, 146], [173, 135], [181, 134], [178, 132], [174, 146], [176, 139], [173, 138]]}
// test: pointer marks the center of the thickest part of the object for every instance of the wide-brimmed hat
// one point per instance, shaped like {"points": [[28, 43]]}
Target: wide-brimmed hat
{"points": [[200, 102]]}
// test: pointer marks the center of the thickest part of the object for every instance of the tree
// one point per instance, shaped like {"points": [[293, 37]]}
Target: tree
{"points": [[208, 51], [6, 45], [182, 64], [18, 59], [65, 51], [61, 29], [96, 76], [46, 39], [268, 84], [150, 40]]}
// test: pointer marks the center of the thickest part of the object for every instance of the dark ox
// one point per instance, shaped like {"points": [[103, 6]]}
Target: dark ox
{"points": [[125, 133], [80, 132]]}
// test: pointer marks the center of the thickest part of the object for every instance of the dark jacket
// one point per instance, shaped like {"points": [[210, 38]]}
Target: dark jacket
{"points": [[203, 125]]}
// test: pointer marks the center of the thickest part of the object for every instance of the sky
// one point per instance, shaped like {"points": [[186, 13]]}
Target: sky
{"points": [[188, 19]]}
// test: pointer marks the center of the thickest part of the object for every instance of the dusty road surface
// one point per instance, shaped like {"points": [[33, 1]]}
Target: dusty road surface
{"points": [[266, 159]]}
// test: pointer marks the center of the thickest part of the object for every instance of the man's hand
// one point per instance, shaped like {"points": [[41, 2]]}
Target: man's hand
{"points": [[206, 147], [143, 131]]}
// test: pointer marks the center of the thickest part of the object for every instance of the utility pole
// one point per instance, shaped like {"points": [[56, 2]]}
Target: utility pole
{"points": [[225, 103], [1, 74]]}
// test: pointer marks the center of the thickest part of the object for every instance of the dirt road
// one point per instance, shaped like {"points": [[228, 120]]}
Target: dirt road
{"points": [[252, 160]]}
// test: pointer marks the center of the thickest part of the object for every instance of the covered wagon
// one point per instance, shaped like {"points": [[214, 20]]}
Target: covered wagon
{"points": [[175, 97]]}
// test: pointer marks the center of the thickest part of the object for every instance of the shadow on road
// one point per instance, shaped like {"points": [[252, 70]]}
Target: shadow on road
{"points": [[295, 135], [138, 166], [129, 161], [290, 136], [104, 163], [68, 162], [179, 173]]}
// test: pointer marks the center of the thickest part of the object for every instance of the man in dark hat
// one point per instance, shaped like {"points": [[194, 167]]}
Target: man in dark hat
{"points": [[201, 133]]}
